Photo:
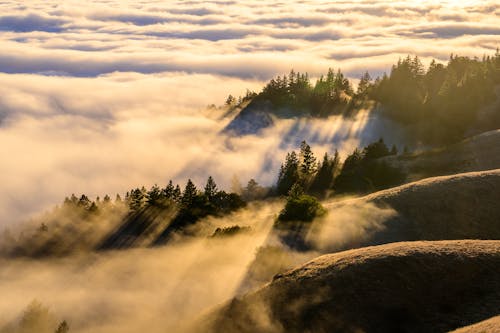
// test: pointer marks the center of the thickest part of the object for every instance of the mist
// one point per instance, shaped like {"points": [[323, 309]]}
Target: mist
{"points": [[104, 136], [154, 289]]}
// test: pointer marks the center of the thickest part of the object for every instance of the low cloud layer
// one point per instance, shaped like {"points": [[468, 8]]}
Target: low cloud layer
{"points": [[92, 38], [97, 97], [106, 135]]}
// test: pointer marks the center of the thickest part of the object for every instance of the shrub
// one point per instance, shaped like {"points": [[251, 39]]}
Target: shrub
{"points": [[301, 207]]}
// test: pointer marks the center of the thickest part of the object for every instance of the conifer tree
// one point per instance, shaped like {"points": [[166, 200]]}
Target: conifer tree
{"points": [[289, 174], [168, 191], [210, 188], [307, 160], [189, 194]]}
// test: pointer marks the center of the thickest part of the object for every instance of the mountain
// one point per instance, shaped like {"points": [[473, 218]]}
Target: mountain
{"points": [[400, 287]]}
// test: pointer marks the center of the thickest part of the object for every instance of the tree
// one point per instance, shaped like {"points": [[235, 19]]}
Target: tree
{"points": [[289, 174], [364, 84], [230, 101], [168, 191], [106, 200], [376, 150], [154, 196], [63, 327], [307, 160], [323, 179], [253, 191], [300, 207], [177, 195], [210, 188], [189, 194], [136, 199]]}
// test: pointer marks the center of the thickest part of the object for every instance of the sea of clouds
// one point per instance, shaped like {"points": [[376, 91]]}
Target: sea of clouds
{"points": [[97, 97]]}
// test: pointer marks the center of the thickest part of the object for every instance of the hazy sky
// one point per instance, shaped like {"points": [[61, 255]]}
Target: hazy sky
{"points": [[100, 96]]}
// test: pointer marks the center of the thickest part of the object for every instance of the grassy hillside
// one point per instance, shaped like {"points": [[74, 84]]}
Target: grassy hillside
{"points": [[401, 287]]}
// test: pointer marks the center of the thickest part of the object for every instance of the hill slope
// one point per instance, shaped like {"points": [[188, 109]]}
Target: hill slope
{"points": [[462, 206], [401, 287], [480, 152]]}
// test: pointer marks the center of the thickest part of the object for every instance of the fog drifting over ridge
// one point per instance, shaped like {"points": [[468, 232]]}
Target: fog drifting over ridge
{"points": [[97, 97]]}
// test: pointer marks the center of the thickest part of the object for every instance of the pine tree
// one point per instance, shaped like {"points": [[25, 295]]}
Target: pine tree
{"points": [[154, 196], [307, 160], [289, 174], [168, 191], [364, 84], [136, 199], [177, 195], [189, 194], [323, 180], [210, 188]]}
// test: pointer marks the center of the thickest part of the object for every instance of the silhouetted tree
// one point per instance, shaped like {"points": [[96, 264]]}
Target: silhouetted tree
{"points": [[154, 196], [307, 161], [210, 189], [289, 174], [323, 180], [189, 194]]}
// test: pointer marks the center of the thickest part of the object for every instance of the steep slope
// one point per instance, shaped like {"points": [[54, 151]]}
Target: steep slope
{"points": [[400, 287]]}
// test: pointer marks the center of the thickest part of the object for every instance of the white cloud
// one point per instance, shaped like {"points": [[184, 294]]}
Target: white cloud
{"points": [[134, 77]]}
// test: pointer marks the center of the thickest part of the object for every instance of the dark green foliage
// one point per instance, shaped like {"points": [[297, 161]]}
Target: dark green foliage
{"points": [[376, 150], [300, 207], [442, 102], [230, 231], [364, 171], [323, 180], [196, 205], [155, 196], [289, 174], [189, 195], [307, 161], [329, 95], [136, 198]]}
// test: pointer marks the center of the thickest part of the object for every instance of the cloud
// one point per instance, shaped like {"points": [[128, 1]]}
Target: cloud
{"points": [[456, 30], [31, 22], [103, 96]]}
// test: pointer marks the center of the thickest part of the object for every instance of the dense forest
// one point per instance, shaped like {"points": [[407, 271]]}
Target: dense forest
{"points": [[437, 105]]}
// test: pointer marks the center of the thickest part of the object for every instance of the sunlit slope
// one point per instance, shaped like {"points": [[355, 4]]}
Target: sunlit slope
{"points": [[462, 206], [400, 287], [491, 325], [480, 152]]}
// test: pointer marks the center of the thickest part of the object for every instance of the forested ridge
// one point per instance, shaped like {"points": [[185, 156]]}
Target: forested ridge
{"points": [[438, 104]]}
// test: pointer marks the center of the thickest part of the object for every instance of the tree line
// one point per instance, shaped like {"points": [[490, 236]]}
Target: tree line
{"points": [[440, 102], [361, 171]]}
